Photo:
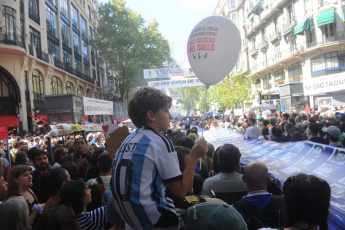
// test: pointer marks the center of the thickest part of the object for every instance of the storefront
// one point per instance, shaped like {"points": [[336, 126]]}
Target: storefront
{"points": [[292, 97]]}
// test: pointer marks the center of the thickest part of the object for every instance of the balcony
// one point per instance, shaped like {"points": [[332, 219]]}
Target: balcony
{"points": [[334, 37], [13, 39], [253, 51], [275, 36], [263, 45], [58, 64], [289, 25], [34, 17], [42, 55]]}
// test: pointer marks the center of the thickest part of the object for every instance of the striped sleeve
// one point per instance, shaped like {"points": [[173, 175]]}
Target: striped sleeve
{"points": [[93, 220]]}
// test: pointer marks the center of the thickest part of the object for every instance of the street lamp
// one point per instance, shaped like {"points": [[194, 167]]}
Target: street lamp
{"points": [[264, 50]]}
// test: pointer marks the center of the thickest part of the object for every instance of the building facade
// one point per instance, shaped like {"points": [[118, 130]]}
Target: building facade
{"points": [[295, 49], [44, 50]]}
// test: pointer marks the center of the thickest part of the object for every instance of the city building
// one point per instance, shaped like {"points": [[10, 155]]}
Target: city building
{"points": [[294, 49], [44, 50]]}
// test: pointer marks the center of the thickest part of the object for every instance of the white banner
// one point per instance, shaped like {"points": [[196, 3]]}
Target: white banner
{"points": [[94, 106], [188, 82], [329, 83], [167, 73]]}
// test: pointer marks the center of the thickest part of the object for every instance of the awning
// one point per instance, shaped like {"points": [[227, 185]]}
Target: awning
{"points": [[287, 32], [258, 8], [251, 16], [40, 117], [326, 17], [303, 26], [9, 121]]}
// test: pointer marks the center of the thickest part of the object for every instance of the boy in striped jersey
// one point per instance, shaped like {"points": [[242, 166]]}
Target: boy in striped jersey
{"points": [[146, 165]]}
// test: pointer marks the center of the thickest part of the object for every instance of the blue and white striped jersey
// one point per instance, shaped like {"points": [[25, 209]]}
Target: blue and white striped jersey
{"points": [[143, 165]]}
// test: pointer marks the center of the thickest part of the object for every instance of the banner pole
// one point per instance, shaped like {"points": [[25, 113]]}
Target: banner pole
{"points": [[205, 107]]}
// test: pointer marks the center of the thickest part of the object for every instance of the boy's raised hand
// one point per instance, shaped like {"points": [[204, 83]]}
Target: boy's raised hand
{"points": [[200, 148]]}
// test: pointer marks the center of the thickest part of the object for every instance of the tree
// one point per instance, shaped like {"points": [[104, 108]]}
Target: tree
{"points": [[233, 90], [190, 97], [128, 45]]}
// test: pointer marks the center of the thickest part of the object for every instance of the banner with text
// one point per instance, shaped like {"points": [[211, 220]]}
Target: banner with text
{"points": [[329, 83], [167, 73], [291, 158], [94, 106], [178, 83]]}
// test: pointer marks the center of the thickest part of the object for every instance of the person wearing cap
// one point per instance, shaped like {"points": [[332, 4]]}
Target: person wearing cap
{"points": [[332, 134], [212, 216]]}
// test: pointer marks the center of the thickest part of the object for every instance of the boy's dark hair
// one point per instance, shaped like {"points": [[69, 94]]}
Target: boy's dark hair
{"points": [[105, 162], [292, 121], [265, 131], [72, 195], [35, 152], [314, 128], [143, 100], [228, 158], [265, 122], [187, 142], [198, 182], [276, 131], [307, 199], [286, 115], [181, 153]]}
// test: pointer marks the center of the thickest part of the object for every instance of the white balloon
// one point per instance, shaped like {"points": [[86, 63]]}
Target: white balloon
{"points": [[213, 48]]}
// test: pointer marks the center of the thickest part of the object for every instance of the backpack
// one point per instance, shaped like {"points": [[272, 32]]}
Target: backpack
{"points": [[270, 216]]}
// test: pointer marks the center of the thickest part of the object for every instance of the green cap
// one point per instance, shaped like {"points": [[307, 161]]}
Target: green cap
{"points": [[213, 215]]}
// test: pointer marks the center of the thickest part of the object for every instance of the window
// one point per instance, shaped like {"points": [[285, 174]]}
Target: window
{"points": [[76, 43], [69, 87], [329, 30], [67, 59], [10, 22], [52, 2], [295, 72], [88, 93], [37, 85], [233, 4], [279, 77], [94, 74], [328, 63], [34, 11], [85, 53], [87, 70], [75, 17], [80, 90], [93, 56], [290, 13], [308, 6], [64, 7], [83, 27], [77, 65], [56, 84], [265, 82], [35, 38], [234, 19], [90, 33], [89, 12], [53, 49], [51, 21], [65, 33]]}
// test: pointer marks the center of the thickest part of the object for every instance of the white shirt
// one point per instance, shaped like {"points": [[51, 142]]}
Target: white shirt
{"points": [[253, 132]]}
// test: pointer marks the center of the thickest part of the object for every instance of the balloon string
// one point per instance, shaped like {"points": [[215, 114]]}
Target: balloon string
{"points": [[205, 107]]}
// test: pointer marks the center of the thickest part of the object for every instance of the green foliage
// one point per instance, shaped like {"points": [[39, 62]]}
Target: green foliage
{"points": [[233, 90], [190, 97], [128, 45]]}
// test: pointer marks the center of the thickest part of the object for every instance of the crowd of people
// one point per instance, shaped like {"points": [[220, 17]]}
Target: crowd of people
{"points": [[163, 176]]}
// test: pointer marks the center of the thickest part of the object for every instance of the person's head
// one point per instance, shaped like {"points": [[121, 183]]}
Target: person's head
{"points": [[307, 199], [72, 169], [296, 136], [60, 154], [80, 145], [187, 142], [228, 158], [58, 217], [3, 187], [212, 215], [150, 106], [53, 181], [292, 121], [298, 119], [251, 121], [273, 121], [314, 129], [75, 195], [210, 150], [14, 214], [105, 162], [264, 131], [285, 117], [198, 182], [39, 158], [182, 156], [20, 158], [256, 176], [19, 176], [276, 131], [332, 133]]}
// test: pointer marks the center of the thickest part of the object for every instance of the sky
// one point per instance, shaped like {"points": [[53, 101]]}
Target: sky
{"points": [[176, 19]]}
